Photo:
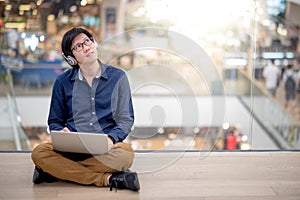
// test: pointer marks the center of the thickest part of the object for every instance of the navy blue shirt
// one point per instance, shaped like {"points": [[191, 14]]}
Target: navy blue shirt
{"points": [[103, 107]]}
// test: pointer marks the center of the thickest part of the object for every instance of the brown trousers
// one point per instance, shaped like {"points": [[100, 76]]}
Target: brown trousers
{"points": [[83, 168]]}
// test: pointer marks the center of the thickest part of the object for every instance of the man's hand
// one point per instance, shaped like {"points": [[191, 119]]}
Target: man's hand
{"points": [[47, 139], [65, 130]]}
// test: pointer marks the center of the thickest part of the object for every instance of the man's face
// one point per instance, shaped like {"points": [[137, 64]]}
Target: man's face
{"points": [[84, 49]]}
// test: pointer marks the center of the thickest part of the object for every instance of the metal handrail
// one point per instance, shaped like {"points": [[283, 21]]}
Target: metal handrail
{"points": [[14, 122]]}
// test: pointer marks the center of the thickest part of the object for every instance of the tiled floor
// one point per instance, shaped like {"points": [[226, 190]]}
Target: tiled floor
{"points": [[177, 175]]}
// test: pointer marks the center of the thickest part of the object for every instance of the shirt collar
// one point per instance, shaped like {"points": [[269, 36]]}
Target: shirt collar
{"points": [[79, 75], [103, 73]]}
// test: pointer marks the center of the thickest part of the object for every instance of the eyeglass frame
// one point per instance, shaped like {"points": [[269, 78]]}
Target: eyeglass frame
{"points": [[82, 43]]}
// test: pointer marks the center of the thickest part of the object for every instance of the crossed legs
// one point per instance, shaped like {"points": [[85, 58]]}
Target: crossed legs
{"points": [[83, 169]]}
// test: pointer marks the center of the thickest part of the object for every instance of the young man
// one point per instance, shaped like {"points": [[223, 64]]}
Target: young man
{"points": [[89, 97], [272, 77], [290, 82]]}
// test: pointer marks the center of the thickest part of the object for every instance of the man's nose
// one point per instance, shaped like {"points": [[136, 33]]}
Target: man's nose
{"points": [[85, 47]]}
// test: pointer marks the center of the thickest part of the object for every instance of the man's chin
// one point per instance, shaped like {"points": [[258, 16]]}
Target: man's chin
{"points": [[90, 59]]}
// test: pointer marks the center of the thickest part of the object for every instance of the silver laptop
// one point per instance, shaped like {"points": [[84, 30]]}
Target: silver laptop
{"points": [[79, 142]]}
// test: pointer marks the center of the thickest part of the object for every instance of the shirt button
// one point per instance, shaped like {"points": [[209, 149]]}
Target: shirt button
{"points": [[93, 113], [93, 98], [91, 124]]}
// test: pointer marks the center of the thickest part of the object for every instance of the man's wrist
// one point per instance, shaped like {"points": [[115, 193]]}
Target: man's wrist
{"points": [[112, 139]]}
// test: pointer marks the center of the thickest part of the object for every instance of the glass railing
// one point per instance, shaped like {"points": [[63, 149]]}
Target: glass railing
{"points": [[12, 135], [282, 129], [259, 130], [279, 124]]}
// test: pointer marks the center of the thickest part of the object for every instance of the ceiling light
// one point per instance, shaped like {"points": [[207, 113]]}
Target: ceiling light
{"points": [[23, 35], [83, 2], [42, 38], [34, 12], [24, 7], [39, 2], [73, 8], [161, 130], [225, 126], [51, 17], [15, 25], [8, 7]]}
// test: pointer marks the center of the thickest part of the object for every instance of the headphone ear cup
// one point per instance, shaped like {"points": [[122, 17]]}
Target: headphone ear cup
{"points": [[70, 60], [96, 44]]}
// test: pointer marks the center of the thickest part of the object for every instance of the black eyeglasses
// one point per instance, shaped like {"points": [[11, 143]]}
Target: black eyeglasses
{"points": [[78, 47]]}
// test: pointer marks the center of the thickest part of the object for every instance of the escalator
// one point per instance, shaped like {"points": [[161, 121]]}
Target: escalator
{"points": [[281, 127]]}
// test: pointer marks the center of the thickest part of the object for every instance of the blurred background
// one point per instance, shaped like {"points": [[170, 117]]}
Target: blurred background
{"points": [[195, 69]]}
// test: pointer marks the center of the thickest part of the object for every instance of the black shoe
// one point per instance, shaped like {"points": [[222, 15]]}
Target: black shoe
{"points": [[124, 180], [39, 176]]}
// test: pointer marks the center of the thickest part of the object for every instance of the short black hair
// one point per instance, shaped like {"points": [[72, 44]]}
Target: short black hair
{"points": [[290, 66], [272, 60], [68, 38]]}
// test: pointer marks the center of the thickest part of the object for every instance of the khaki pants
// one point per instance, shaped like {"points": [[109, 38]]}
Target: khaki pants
{"points": [[83, 168]]}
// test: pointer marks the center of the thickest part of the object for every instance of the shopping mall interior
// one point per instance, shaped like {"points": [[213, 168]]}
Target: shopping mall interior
{"points": [[191, 62], [196, 73]]}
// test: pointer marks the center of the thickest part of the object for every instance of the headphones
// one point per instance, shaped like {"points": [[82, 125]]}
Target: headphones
{"points": [[72, 61], [95, 44]]}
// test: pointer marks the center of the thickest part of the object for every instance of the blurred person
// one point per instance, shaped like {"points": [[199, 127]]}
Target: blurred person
{"points": [[238, 137], [231, 141], [88, 92], [272, 74], [289, 79]]}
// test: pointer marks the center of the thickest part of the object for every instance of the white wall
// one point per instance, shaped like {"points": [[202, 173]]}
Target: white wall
{"points": [[33, 110]]}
